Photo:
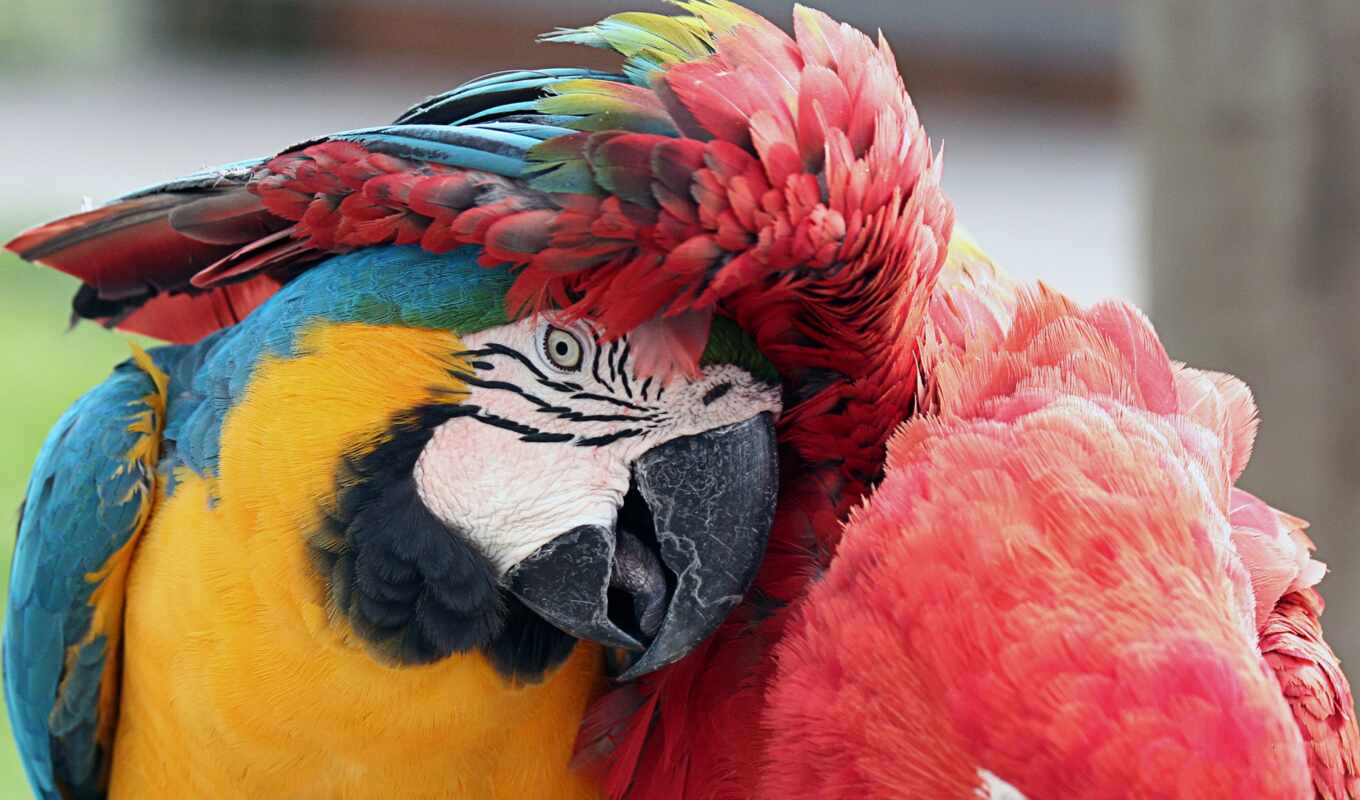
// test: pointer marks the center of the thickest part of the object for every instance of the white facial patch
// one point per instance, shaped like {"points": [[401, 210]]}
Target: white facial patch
{"points": [[555, 420], [993, 788]]}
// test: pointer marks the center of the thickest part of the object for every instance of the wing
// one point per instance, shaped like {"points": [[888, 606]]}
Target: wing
{"points": [[90, 494], [1317, 691], [695, 179], [184, 258]]}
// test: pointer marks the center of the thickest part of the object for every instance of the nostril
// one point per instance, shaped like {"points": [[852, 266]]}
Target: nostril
{"points": [[716, 392]]}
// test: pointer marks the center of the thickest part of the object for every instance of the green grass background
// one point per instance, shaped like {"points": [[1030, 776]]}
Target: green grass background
{"points": [[43, 368]]}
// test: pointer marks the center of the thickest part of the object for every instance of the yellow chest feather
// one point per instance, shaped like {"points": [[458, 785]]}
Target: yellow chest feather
{"points": [[236, 680]]}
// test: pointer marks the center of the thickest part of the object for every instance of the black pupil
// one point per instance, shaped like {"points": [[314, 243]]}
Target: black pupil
{"points": [[561, 348]]}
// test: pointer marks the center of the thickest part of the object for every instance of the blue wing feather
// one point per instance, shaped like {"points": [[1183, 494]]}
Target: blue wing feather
{"points": [[482, 147], [85, 501]]}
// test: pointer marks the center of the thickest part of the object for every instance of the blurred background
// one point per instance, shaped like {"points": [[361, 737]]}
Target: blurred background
{"points": [[1198, 157]]}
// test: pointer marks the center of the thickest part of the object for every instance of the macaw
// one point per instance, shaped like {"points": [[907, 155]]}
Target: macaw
{"points": [[1083, 605], [351, 542], [735, 204]]}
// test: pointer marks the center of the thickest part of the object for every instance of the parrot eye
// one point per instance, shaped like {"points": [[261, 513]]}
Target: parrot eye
{"points": [[562, 349]]}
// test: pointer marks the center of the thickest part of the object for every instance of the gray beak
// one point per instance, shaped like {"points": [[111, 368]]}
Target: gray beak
{"points": [[689, 539]]}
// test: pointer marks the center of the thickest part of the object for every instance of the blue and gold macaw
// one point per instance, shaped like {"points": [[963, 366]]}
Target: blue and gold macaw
{"points": [[379, 533], [331, 543]]}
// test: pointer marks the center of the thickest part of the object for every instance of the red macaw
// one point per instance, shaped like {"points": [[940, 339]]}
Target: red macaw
{"points": [[1082, 604]]}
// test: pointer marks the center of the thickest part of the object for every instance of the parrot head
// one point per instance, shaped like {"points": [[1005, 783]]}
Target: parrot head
{"points": [[622, 508], [487, 479]]}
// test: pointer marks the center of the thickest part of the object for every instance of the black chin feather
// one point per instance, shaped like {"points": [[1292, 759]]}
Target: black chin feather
{"points": [[415, 591]]}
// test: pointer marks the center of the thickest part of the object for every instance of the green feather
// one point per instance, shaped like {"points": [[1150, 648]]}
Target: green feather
{"points": [[608, 106], [729, 344], [559, 165], [649, 42]]}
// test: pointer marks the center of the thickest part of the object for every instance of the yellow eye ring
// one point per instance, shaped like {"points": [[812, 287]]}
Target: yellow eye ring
{"points": [[562, 349]]}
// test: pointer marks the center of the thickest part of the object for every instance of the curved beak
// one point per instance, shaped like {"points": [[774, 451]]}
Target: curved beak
{"points": [[688, 542]]}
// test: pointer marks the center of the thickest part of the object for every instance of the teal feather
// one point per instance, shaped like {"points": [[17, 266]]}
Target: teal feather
{"points": [[496, 112], [541, 130], [559, 165], [475, 147], [377, 285], [493, 95], [83, 503]]}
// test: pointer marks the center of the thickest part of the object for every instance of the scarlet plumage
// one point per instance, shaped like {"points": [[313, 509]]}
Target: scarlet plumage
{"points": [[1074, 586]]}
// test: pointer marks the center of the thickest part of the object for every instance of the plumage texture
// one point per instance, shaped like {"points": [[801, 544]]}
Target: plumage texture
{"points": [[1318, 693], [1077, 589], [785, 182], [749, 214], [124, 453], [651, 223], [89, 498], [730, 168], [240, 623]]}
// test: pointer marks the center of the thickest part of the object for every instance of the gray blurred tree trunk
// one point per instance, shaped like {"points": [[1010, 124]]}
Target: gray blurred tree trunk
{"points": [[1250, 116]]}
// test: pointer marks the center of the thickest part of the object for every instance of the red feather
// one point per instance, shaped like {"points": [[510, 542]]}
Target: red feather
{"points": [[233, 218], [1317, 691], [823, 105], [185, 318], [1033, 530], [122, 249]]}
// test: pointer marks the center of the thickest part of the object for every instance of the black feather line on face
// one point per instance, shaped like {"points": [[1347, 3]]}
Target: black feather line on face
{"points": [[495, 349], [415, 591], [563, 412], [613, 362], [623, 371], [595, 367], [609, 438], [528, 432], [604, 398]]}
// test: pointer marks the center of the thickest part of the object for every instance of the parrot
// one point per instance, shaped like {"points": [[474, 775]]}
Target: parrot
{"points": [[576, 435], [1084, 605]]}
